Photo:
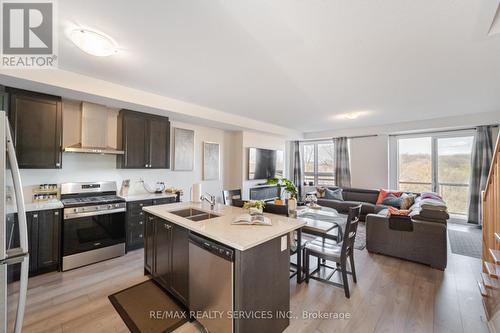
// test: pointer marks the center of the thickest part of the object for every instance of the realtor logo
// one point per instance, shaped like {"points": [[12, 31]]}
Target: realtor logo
{"points": [[28, 34]]}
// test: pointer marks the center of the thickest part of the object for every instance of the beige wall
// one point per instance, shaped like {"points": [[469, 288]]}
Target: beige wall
{"points": [[369, 162]]}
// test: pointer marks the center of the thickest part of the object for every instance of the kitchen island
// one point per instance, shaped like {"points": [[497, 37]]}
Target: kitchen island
{"points": [[256, 260]]}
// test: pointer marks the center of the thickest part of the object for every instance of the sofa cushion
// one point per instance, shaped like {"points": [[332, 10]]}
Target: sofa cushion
{"points": [[320, 191], [407, 200], [384, 193], [335, 194], [362, 195], [430, 215], [392, 200]]}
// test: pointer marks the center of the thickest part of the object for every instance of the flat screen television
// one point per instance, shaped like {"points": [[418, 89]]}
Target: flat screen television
{"points": [[265, 163]]}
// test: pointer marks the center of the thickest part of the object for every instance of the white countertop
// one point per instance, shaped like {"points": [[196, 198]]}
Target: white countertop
{"points": [[36, 206], [240, 237], [146, 196]]}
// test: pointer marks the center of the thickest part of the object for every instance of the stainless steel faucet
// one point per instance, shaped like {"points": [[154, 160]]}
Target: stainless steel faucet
{"points": [[209, 198]]}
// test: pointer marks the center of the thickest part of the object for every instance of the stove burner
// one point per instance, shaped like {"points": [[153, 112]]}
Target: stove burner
{"points": [[84, 201]]}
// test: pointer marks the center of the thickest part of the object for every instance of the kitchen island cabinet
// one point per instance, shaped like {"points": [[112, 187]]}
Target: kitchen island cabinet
{"points": [[259, 262]]}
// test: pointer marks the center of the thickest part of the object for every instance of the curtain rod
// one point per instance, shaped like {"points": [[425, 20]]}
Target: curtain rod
{"points": [[443, 131], [349, 137]]}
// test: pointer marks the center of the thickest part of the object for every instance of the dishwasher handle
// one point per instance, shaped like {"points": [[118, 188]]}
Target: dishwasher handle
{"points": [[209, 245]]}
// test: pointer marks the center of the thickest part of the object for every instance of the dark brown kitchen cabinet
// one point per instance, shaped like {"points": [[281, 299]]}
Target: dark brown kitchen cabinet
{"points": [[135, 232], [163, 253], [166, 257], [44, 240], [36, 122], [145, 139], [179, 279], [159, 143], [149, 245], [48, 240], [44, 233]]}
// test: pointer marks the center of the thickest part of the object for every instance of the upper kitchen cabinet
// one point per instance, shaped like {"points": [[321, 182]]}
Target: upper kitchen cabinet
{"points": [[145, 139], [36, 121]]}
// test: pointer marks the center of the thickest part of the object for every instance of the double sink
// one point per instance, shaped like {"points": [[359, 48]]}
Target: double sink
{"points": [[193, 214]]}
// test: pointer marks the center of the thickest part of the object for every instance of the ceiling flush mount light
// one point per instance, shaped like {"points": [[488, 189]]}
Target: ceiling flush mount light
{"points": [[351, 115], [93, 42]]}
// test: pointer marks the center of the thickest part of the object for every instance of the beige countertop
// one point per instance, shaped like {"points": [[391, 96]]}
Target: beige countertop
{"points": [[240, 237], [146, 196], [35, 206]]}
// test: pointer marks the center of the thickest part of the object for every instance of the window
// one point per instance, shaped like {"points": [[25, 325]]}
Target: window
{"points": [[318, 164], [438, 163]]}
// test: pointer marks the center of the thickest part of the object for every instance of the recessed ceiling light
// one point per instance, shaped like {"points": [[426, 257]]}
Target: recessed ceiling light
{"points": [[93, 42]]}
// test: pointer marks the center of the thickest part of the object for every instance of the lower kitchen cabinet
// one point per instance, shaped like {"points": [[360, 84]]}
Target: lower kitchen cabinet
{"points": [[149, 246], [167, 256], [46, 233], [44, 240], [135, 221]]}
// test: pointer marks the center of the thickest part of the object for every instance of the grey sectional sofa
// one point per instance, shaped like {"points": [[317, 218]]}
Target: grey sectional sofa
{"points": [[426, 243], [418, 239]]}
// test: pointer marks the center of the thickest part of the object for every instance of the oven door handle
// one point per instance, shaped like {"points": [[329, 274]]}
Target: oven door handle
{"points": [[87, 214]]}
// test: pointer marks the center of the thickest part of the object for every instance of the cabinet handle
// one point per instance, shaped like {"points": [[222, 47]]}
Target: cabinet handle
{"points": [[140, 235], [140, 222], [35, 216], [141, 204], [151, 218], [141, 213], [58, 164], [56, 213]]}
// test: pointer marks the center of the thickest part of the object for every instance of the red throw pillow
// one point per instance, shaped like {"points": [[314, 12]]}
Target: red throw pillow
{"points": [[383, 194]]}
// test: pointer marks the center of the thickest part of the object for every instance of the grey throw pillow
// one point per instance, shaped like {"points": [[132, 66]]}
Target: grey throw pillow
{"points": [[334, 194]]}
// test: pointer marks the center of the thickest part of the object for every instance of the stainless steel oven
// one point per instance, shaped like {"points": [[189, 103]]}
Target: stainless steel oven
{"points": [[93, 223]]}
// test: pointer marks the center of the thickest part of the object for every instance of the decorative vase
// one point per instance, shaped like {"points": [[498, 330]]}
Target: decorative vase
{"points": [[292, 207]]}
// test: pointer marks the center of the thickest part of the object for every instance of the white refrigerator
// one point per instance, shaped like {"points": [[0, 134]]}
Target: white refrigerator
{"points": [[14, 257]]}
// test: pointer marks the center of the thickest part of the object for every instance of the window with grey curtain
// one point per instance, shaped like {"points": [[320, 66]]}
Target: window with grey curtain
{"points": [[297, 168], [342, 162], [482, 151]]}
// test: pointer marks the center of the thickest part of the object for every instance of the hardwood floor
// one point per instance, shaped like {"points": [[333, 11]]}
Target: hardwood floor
{"points": [[391, 295]]}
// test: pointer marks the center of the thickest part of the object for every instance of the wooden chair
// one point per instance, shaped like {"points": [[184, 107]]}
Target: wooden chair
{"points": [[229, 195], [327, 249]]}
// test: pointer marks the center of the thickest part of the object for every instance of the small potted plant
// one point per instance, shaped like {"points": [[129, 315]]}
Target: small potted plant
{"points": [[254, 206], [290, 188], [286, 184]]}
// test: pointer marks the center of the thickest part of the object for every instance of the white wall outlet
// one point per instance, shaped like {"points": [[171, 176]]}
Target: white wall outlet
{"points": [[284, 243]]}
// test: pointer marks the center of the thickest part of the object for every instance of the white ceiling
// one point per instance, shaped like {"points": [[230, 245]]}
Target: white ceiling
{"points": [[299, 63]]}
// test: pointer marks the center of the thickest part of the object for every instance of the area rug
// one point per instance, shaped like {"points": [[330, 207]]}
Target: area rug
{"points": [[466, 243], [145, 307]]}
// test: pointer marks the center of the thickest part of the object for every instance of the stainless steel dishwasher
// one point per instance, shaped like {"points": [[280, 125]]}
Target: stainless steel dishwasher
{"points": [[211, 283]]}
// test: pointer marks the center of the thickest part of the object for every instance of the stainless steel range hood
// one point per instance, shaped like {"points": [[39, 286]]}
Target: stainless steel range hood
{"points": [[97, 122]]}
